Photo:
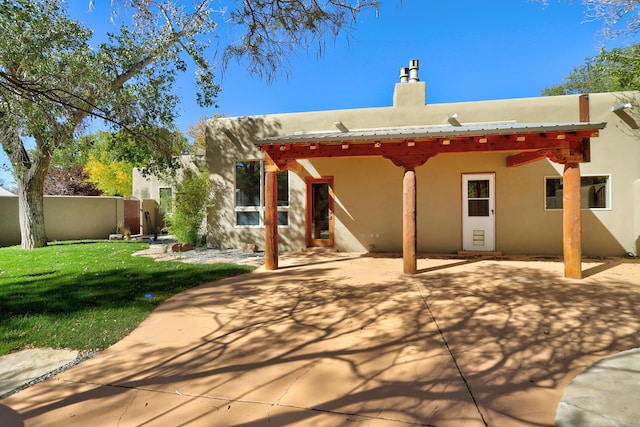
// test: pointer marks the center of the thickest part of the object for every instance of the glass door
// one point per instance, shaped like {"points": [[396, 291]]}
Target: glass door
{"points": [[320, 212]]}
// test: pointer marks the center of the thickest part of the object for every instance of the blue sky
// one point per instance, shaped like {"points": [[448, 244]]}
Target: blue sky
{"points": [[468, 50]]}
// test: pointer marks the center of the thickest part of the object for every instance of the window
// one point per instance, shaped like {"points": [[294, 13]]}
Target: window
{"points": [[249, 194], [165, 195], [478, 197], [594, 192]]}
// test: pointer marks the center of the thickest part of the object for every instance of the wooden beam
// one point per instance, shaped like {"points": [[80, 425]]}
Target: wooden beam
{"points": [[572, 221], [584, 107], [426, 147], [524, 158], [409, 161], [290, 165], [409, 235], [585, 116], [271, 216]]}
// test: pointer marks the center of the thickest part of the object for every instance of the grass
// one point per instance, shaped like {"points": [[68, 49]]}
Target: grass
{"points": [[87, 295]]}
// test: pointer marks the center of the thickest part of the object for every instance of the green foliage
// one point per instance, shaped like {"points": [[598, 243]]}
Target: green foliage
{"points": [[197, 131], [53, 78], [609, 71], [273, 30], [43, 54], [134, 150], [193, 194], [87, 295]]}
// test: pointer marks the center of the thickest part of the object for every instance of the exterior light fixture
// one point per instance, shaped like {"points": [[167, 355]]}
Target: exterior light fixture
{"points": [[620, 110], [621, 107], [341, 126], [453, 120]]}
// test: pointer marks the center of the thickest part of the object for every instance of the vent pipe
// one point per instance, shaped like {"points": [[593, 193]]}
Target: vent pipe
{"points": [[413, 71], [404, 75]]}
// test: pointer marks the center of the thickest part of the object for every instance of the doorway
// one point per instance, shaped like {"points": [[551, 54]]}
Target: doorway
{"points": [[478, 212], [320, 225]]}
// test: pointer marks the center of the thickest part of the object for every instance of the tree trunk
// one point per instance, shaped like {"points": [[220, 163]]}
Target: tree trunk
{"points": [[30, 175], [31, 209]]}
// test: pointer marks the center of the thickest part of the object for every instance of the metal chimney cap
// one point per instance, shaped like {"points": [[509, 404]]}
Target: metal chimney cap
{"points": [[404, 75], [413, 71]]}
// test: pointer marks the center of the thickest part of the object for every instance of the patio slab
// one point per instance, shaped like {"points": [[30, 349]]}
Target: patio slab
{"points": [[605, 394], [18, 369], [339, 339]]}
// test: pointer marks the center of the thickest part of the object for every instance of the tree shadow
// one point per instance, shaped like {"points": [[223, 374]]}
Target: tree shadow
{"points": [[524, 330], [358, 341]]}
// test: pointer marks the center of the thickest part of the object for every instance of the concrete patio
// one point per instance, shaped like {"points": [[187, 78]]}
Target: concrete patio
{"points": [[339, 339]]}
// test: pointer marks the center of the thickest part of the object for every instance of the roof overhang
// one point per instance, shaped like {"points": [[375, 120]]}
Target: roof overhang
{"points": [[434, 132], [422, 142]]}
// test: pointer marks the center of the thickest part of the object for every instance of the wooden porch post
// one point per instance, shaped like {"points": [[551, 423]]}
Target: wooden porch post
{"points": [[409, 235], [270, 215], [572, 221]]}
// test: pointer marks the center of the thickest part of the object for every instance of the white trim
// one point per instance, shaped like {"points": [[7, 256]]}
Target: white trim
{"points": [[608, 189], [485, 226], [259, 209], [173, 197]]}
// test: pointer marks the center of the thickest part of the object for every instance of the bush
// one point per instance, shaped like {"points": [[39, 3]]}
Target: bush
{"points": [[193, 194]]}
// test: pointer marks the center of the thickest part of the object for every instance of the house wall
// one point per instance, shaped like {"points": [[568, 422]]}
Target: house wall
{"points": [[147, 188], [226, 146], [66, 218], [369, 190]]}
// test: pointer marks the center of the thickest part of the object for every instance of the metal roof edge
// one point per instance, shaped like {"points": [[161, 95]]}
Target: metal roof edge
{"points": [[432, 131]]}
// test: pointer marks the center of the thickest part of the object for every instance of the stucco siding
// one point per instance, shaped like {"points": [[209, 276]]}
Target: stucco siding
{"points": [[66, 218], [368, 191]]}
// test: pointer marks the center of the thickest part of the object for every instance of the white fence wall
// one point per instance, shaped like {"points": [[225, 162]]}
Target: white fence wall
{"points": [[66, 218]]}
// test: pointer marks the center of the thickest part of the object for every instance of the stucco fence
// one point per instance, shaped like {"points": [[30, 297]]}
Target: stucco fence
{"points": [[78, 218]]}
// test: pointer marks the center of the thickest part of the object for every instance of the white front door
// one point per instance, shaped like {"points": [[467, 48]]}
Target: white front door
{"points": [[478, 212]]}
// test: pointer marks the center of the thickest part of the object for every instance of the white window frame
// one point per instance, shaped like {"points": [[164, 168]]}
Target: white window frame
{"points": [[608, 189], [259, 209], [173, 197]]}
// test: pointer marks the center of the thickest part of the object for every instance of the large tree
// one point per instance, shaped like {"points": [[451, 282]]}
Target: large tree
{"points": [[197, 131], [52, 79], [66, 175], [111, 157], [619, 17], [610, 71]]}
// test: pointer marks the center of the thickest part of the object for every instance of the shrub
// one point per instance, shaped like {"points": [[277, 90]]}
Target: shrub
{"points": [[192, 195]]}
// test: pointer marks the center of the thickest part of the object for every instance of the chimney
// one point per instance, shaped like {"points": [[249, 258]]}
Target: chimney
{"points": [[404, 75], [413, 71], [412, 94]]}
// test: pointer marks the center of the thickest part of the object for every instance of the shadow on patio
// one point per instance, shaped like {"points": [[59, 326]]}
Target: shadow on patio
{"points": [[349, 340]]}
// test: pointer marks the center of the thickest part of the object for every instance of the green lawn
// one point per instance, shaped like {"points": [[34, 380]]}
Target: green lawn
{"points": [[87, 295]]}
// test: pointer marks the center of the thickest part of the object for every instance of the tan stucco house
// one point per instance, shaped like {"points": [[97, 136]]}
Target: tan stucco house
{"points": [[155, 188], [532, 176]]}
